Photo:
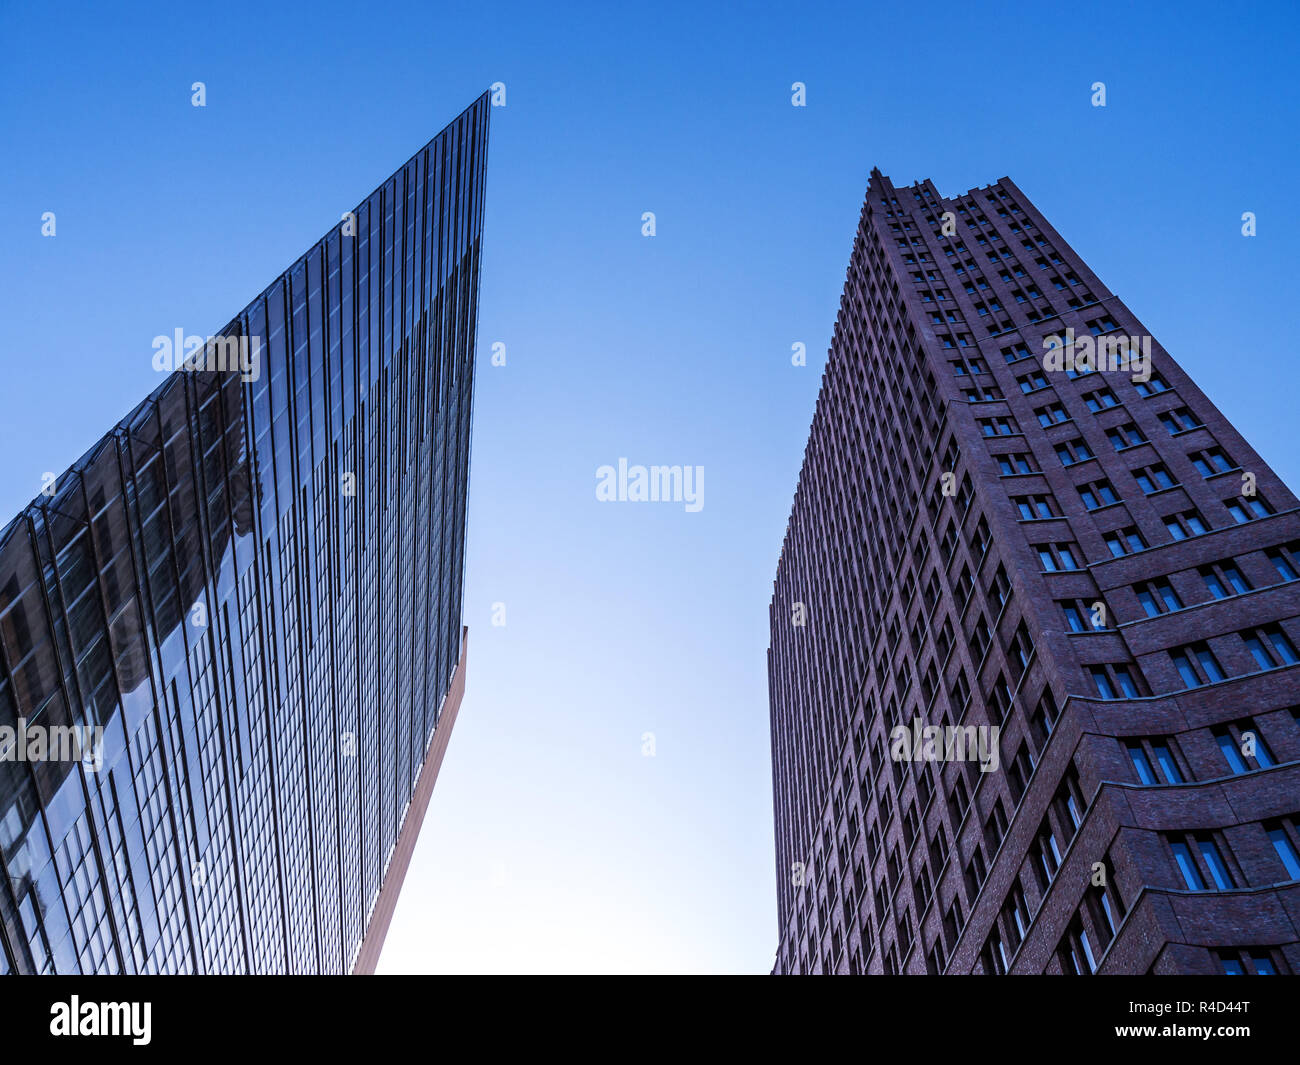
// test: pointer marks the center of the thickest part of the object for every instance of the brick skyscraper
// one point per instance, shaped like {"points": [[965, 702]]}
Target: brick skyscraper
{"points": [[1096, 564]]}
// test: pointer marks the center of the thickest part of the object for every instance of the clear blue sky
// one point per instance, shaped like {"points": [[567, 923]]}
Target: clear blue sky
{"points": [[552, 843]]}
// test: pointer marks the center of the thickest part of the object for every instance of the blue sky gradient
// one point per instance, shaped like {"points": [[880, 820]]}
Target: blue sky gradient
{"points": [[552, 843]]}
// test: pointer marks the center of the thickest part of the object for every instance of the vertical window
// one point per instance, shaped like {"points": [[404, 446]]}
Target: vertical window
{"points": [[1282, 560], [1187, 866], [1165, 759], [1215, 863], [1228, 746], [1286, 849], [1102, 680], [1138, 755]]}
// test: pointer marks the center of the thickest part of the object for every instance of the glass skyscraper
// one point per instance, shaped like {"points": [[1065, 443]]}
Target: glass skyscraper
{"points": [[246, 600]]}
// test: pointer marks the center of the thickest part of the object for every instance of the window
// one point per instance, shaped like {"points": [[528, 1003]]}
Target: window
{"points": [[998, 427], [999, 590], [1015, 463], [1032, 381], [1082, 616], [1247, 508], [1141, 763], [1153, 479], [1286, 560], [1157, 597], [1073, 452], [1181, 526], [1098, 494], [1152, 387], [1100, 400], [1021, 650], [1179, 420], [1046, 851], [1270, 647], [1284, 843], [1197, 665], [1124, 541], [1015, 914], [1101, 325], [994, 955], [1031, 507], [1126, 435], [1248, 962], [1165, 760], [1228, 745], [1054, 557], [1211, 461], [1210, 869], [1214, 863], [1223, 579], [1115, 682], [1149, 755], [1107, 910], [1075, 951], [1052, 414], [1187, 866]]}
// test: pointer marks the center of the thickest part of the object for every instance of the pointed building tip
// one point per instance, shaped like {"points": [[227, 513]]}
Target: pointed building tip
{"points": [[875, 172]]}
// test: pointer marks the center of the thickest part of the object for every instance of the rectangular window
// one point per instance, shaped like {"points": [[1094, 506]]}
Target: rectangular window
{"points": [[1165, 759], [1270, 647], [1013, 464], [1115, 682], [1052, 414], [1097, 495], [998, 427], [1214, 863], [1247, 963], [1231, 753], [1197, 665], [1073, 452], [1153, 479], [1181, 526], [1124, 541], [1141, 763], [1157, 597], [1187, 866], [1125, 436], [1179, 420], [1083, 617], [1055, 557], [1285, 847], [1284, 561], [1247, 508], [1152, 387], [1211, 461], [1032, 507], [1224, 579], [1100, 400]]}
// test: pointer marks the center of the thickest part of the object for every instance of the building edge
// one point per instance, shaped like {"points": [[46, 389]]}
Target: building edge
{"points": [[372, 942]]}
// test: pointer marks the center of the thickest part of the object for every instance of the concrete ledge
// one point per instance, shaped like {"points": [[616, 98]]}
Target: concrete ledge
{"points": [[373, 941]]}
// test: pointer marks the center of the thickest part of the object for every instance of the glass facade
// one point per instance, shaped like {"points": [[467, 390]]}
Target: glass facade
{"points": [[252, 586]]}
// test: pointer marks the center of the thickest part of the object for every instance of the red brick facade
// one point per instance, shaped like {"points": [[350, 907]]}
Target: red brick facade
{"points": [[964, 519]]}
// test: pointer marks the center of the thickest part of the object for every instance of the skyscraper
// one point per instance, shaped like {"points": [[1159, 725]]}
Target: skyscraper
{"points": [[246, 599], [1035, 700]]}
